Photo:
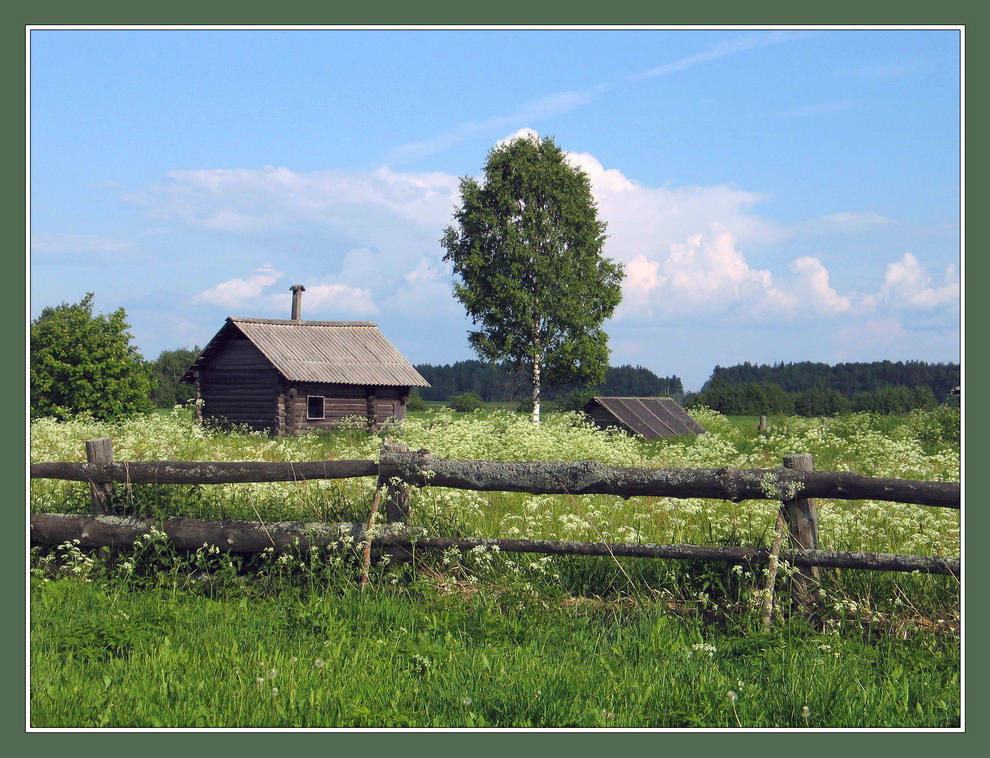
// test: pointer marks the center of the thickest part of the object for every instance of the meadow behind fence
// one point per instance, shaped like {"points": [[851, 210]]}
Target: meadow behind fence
{"points": [[860, 612]]}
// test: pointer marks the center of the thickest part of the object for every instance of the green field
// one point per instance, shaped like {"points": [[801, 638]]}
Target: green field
{"points": [[156, 638]]}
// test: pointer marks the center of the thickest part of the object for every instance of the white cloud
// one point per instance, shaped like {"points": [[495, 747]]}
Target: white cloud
{"points": [[425, 292], [524, 133], [687, 250], [325, 301], [811, 286], [604, 180], [720, 50], [237, 292], [320, 301], [371, 206], [555, 104], [908, 285], [560, 103], [683, 251], [646, 221]]}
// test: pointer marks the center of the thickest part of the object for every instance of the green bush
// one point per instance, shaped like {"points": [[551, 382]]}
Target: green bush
{"points": [[81, 363], [166, 371], [416, 403], [466, 403]]}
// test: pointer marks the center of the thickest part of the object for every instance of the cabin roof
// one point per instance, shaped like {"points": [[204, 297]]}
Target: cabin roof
{"points": [[337, 352], [652, 417]]}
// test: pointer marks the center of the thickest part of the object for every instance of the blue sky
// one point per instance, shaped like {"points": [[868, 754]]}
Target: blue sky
{"points": [[775, 195]]}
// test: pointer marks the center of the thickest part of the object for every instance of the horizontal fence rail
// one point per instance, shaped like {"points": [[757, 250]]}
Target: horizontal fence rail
{"points": [[595, 478], [183, 472], [795, 486], [247, 537], [578, 478]]}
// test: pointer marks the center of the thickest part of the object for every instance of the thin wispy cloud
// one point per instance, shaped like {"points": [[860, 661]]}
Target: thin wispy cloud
{"points": [[78, 243], [843, 223], [721, 50], [560, 103], [556, 104]]}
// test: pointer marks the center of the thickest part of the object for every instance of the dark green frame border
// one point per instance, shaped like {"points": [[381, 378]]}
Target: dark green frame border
{"points": [[13, 23]]}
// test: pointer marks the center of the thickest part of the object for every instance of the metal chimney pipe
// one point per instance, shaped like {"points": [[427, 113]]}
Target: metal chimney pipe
{"points": [[297, 290]]}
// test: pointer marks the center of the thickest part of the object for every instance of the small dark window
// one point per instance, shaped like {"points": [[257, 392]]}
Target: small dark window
{"points": [[315, 406]]}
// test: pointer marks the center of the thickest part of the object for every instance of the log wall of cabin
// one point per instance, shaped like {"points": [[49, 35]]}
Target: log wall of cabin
{"points": [[240, 386], [374, 405]]}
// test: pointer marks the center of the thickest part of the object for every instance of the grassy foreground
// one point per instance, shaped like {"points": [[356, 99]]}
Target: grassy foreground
{"points": [[414, 658], [158, 639]]}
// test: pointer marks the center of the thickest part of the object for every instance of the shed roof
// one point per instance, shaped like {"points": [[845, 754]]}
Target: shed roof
{"points": [[338, 352], [652, 417]]}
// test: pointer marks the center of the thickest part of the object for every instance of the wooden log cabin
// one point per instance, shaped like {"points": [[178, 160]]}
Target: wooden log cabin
{"points": [[291, 376]]}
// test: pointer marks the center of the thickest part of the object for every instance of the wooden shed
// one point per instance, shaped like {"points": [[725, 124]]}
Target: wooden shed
{"points": [[288, 376], [652, 417]]}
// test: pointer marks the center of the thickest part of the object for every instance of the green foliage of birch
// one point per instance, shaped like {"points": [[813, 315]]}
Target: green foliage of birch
{"points": [[84, 363], [527, 246]]}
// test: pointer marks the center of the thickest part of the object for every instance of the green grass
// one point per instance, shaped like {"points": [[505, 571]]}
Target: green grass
{"points": [[411, 657], [154, 638]]}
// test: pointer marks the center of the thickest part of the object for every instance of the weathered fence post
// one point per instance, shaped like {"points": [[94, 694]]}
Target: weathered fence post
{"points": [[763, 425], [396, 495], [100, 450], [801, 517]]}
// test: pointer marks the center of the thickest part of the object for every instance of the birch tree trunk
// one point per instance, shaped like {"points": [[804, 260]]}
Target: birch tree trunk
{"points": [[536, 390]]}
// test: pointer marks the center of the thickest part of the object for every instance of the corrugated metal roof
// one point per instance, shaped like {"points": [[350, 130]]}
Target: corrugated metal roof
{"points": [[652, 417], [339, 352]]}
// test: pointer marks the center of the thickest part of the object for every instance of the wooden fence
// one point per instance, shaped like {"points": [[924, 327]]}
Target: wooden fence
{"points": [[795, 485]]}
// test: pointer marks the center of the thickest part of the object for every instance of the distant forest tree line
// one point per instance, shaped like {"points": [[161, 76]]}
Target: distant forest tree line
{"points": [[84, 362], [493, 383], [818, 389], [805, 389]]}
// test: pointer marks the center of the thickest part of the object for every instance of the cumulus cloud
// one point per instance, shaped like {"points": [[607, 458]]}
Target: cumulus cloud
{"points": [[363, 205], [684, 254], [689, 252], [425, 292], [325, 301], [908, 285], [648, 220], [235, 292], [704, 275], [811, 286], [254, 294]]}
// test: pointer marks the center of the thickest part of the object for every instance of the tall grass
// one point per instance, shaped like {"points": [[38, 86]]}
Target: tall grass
{"points": [[154, 638]]}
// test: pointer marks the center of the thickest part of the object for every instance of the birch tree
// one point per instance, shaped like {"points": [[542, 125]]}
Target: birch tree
{"points": [[526, 244]]}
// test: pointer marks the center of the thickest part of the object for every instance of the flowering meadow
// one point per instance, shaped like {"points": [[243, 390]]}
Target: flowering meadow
{"points": [[481, 638]]}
